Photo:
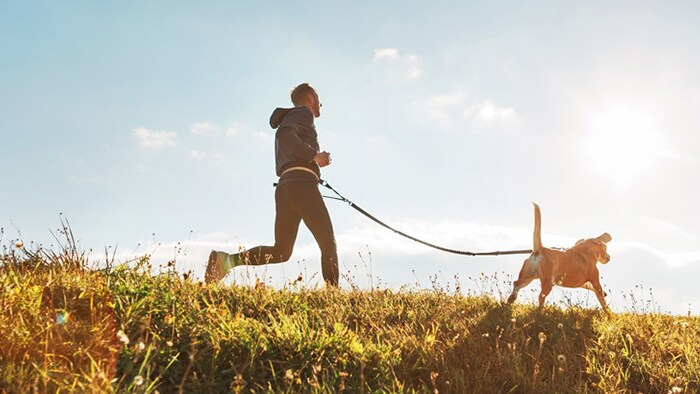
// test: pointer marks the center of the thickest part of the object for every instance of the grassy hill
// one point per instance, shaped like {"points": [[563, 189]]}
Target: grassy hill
{"points": [[67, 328]]}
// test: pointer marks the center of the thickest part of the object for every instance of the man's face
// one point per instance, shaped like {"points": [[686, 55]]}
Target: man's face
{"points": [[315, 106]]}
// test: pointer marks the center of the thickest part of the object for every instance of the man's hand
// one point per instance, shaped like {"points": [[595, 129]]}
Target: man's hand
{"points": [[322, 159]]}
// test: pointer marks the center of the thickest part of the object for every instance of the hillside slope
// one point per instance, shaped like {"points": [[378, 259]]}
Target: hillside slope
{"points": [[67, 328]]}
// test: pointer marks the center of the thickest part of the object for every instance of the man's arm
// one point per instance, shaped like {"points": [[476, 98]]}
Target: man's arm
{"points": [[322, 159]]}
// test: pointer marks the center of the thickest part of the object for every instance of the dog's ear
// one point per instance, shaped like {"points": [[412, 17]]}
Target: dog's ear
{"points": [[605, 238]]}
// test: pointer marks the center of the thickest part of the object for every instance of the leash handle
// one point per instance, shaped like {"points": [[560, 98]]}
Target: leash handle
{"points": [[448, 250]]}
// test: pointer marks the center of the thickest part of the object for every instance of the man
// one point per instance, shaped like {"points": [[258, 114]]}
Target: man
{"points": [[298, 162]]}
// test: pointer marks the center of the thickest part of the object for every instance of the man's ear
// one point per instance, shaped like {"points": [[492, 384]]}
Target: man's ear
{"points": [[311, 98]]}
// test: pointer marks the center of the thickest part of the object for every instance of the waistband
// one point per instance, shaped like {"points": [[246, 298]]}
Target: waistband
{"points": [[298, 173], [300, 168]]}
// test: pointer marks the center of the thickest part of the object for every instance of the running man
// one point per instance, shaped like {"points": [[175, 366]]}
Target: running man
{"points": [[298, 162]]}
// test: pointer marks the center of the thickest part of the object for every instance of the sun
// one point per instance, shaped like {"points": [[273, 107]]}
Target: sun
{"points": [[622, 144]]}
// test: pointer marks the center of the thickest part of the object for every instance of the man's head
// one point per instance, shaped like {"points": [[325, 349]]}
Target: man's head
{"points": [[305, 95]]}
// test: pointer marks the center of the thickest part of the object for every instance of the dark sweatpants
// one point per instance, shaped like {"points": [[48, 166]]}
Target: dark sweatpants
{"points": [[297, 198]]}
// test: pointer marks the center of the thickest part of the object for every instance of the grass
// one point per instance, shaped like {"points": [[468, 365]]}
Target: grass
{"points": [[65, 327]]}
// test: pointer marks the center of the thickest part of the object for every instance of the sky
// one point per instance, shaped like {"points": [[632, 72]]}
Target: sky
{"points": [[144, 125]]}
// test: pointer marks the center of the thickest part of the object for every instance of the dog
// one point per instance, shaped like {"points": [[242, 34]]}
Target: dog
{"points": [[574, 267]]}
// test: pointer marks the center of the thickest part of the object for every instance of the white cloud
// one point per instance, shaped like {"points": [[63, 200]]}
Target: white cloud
{"points": [[241, 128], [386, 54], [664, 227], [446, 100], [204, 127], [212, 157], [487, 112], [451, 109], [197, 155], [404, 66], [444, 109], [683, 258], [265, 137], [472, 237], [154, 139]]}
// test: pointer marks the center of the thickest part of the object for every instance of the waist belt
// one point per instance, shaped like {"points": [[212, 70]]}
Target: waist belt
{"points": [[300, 168]]}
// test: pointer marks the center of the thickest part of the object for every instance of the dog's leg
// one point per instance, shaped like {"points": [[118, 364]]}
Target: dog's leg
{"points": [[527, 274], [600, 294], [546, 289], [589, 286], [517, 285]]}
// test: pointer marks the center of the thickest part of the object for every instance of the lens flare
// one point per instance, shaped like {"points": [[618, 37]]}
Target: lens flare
{"points": [[62, 317]]}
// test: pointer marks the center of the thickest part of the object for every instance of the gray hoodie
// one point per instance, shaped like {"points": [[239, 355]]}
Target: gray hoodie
{"points": [[296, 141]]}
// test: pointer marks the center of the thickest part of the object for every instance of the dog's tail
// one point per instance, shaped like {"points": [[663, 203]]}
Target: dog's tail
{"points": [[537, 234]]}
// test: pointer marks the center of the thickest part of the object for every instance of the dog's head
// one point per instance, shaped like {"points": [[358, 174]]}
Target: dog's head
{"points": [[598, 247]]}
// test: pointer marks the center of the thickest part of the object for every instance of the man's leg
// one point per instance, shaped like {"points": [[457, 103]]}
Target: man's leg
{"points": [[287, 221], [309, 203], [286, 229]]}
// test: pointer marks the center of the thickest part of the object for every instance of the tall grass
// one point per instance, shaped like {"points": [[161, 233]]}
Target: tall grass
{"points": [[65, 327]]}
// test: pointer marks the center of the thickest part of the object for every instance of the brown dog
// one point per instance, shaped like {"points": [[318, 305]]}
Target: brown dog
{"points": [[574, 267]]}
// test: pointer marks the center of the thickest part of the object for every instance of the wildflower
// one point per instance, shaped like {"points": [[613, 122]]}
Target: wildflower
{"points": [[238, 382], [542, 336], [682, 324], [560, 326], [313, 383], [169, 343], [561, 358], [19, 244], [138, 380], [675, 390], [289, 375], [433, 379], [512, 320], [141, 346], [122, 337]]}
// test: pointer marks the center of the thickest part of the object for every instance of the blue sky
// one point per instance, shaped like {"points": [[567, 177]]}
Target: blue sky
{"points": [[146, 125]]}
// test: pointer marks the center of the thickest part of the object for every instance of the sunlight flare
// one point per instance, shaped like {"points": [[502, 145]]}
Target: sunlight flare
{"points": [[622, 144]]}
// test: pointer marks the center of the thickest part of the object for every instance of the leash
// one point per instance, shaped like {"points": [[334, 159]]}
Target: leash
{"points": [[379, 222]]}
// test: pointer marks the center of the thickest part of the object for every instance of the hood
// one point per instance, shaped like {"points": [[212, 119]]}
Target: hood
{"points": [[278, 115]]}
